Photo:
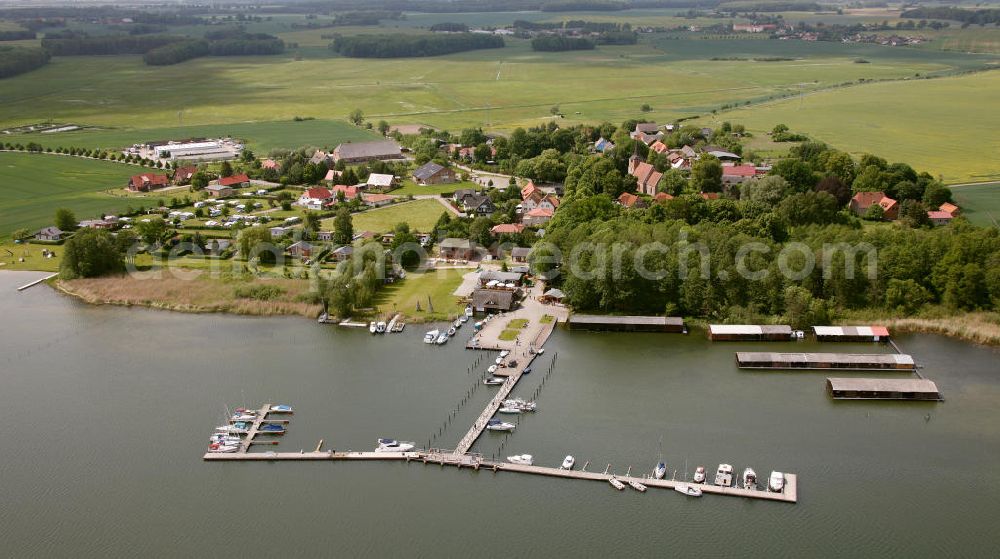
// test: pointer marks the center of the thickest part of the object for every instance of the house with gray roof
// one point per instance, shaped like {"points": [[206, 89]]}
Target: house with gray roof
{"points": [[432, 173], [360, 152]]}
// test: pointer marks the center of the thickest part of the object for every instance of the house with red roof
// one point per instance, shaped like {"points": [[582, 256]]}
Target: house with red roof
{"points": [[861, 201], [737, 174], [377, 200], [235, 181], [182, 175], [506, 228], [939, 217], [709, 195], [537, 216], [147, 181], [350, 192], [630, 200], [950, 209], [314, 198], [659, 147], [646, 176], [270, 164], [529, 189], [662, 197]]}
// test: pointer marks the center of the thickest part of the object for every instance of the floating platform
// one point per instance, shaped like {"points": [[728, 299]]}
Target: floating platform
{"points": [[749, 332], [842, 361], [627, 323], [883, 389], [851, 333]]}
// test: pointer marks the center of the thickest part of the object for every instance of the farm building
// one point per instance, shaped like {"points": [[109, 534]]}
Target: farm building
{"points": [[493, 300], [360, 152], [235, 181], [219, 191], [147, 181], [432, 173], [864, 200], [882, 389], [749, 333], [851, 333], [845, 361]]}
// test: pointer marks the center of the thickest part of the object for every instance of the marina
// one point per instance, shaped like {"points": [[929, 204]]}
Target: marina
{"points": [[749, 333], [673, 324], [841, 361]]}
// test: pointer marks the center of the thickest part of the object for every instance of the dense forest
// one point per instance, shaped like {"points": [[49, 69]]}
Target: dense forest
{"points": [[18, 60], [973, 17], [160, 50], [80, 45], [556, 43], [176, 52], [400, 46]]}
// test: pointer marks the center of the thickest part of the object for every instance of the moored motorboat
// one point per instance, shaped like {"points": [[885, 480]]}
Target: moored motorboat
{"points": [[478, 326], [724, 475], [493, 381], [272, 429], [468, 310], [372, 327], [520, 404], [232, 429], [392, 445], [776, 482], [497, 425], [499, 361], [504, 353], [491, 369], [380, 327], [522, 459], [527, 371], [464, 318], [281, 408], [509, 410], [699, 474], [431, 337], [452, 331], [660, 470], [689, 490], [458, 323], [215, 447], [568, 463], [616, 484], [637, 486], [442, 338], [242, 417], [220, 438], [749, 479]]}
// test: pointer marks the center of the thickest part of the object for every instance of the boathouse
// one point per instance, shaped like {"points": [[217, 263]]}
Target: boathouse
{"points": [[882, 389], [749, 332], [851, 333], [844, 361], [626, 323]]}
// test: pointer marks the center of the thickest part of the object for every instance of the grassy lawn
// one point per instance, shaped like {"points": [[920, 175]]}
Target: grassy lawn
{"points": [[508, 335], [33, 186], [517, 323], [11, 254], [439, 285], [420, 214], [980, 203], [414, 189], [547, 319]]}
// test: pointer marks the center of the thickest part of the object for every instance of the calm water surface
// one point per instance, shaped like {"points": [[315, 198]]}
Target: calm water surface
{"points": [[108, 411]]}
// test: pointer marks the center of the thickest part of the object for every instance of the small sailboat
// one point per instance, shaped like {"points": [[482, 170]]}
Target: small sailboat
{"points": [[689, 490], [431, 337], [522, 459], [493, 381], [616, 484], [699, 474], [749, 479], [281, 408], [497, 425], [776, 482], [392, 445], [568, 463], [637, 486], [660, 470], [372, 327]]}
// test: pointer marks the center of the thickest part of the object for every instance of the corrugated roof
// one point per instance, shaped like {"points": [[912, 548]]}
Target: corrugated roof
{"points": [[858, 358], [883, 385]]}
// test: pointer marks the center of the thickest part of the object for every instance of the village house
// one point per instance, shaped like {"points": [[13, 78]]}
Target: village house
{"points": [[493, 300], [939, 217], [235, 181], [50, 233], [377, 200], [461, 194], [709, 195], [314, 198], [320, 157], [456, 249], [646, 176], [147, 182], [506, 229], [478, 204], [501, 280], [629, 200], [950, 209], [737, 174], [302, 249], [861, 201], [432, 173], [537, 216], [270, 164], [380, 181], [333, 175], [603, 145], [721, 154], [552, 296], [324, 236], [350, 192], [97, 224], [182, 175], [219, 191], [520, 254], [342, 254], [659, 147], [662, 197], [279, 231], [361, 152]]}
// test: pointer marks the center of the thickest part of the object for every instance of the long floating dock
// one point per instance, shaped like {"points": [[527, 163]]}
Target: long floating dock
{"points": [[883, 389], [627, 323], [841, 361]]}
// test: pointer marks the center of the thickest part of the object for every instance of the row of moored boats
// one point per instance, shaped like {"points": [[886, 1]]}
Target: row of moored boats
{"points": [[229, 438], [441, 337]]}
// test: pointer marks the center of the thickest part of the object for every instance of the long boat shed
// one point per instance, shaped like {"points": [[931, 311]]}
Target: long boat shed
{"points": [[749, 332], [627, 323], [845, 361], [851, 333], [882, 389]]}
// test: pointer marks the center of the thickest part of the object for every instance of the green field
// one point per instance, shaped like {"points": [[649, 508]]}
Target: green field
{"points": [[438, 285], [32, 186], [943, 126], [980, 203], [420, 214]]}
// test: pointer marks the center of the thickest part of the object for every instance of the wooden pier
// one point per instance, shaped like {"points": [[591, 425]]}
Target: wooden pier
{"points": [[513, 375], [826, 361]]}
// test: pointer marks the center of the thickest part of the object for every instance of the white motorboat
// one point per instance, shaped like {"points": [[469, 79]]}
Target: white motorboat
{"points": [[499, 361], [380, 327], [464, 318], [568, 463], [452, 331], [497, 425], [616, 484], [523, 459], [540, 351], [504, 353], [749, 479], [520, 404], [689, 490], [442, 338], [699, 474], [431, 337], [468, 311], [637, 486], [493, 381], [512, 411], [224, 439], [724, 475], [373, 327], [457, 324], [776, 482], [242, 417], [215, 447], [392, 445], [231, 429], [491, 369], [660, 470]]}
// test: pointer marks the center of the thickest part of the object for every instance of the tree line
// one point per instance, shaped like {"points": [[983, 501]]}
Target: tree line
{"points": [[160, 50], [400, 46], [83, 45], [556, 43], [18, 60], [973, 17], [17, 35]]}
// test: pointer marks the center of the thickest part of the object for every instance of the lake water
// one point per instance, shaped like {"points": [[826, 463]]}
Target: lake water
{"points": [[107, 413]]}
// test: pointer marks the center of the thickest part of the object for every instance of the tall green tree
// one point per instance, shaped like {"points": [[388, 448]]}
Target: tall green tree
{"points": [[706, 174], [343, 227], [66, 220], [91, 253]]}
